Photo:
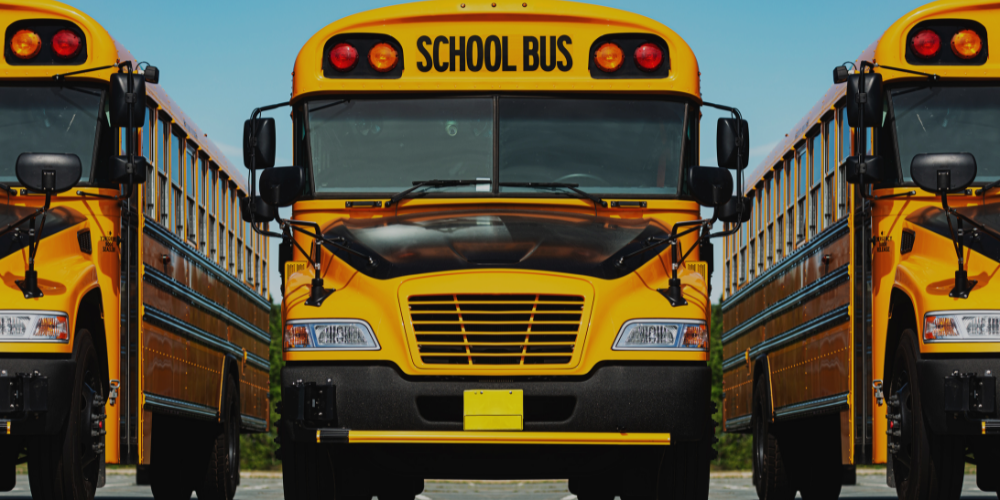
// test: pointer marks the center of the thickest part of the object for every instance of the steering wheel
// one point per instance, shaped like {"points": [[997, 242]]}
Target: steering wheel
{"points": [[582, 176]]}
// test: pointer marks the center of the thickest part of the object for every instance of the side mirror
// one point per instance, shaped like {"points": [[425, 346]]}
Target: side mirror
{"points": [[868, 170], [48, 173], [872, 107], [120, 99], [151, 74], [943, 173], [282, 186], [710, 186], [262, 212], [725, 140], [263, 152], [120, 169], [730, 211]]}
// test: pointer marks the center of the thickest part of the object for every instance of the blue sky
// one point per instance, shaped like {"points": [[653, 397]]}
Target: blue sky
{"points": [[773, 60]]}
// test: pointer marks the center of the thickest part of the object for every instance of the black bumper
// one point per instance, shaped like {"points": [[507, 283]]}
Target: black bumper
{"points": [[34, 394], [636, 398], [959, 394]]}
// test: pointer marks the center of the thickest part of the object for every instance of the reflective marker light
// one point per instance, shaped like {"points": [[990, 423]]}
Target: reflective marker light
{"points": [[344, 57], [650, 335], [382, 57], [66, 44], [966, 44], [609, 57], [25, 44], [648, 57], [926, 43], [31, 326], [351, 335], [962, 326]]}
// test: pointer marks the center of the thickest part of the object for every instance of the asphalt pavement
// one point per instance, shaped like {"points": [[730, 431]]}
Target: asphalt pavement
{"points": [[122, 486]]}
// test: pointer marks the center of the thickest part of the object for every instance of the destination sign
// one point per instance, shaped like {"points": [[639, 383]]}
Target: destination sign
{"points": [[493, 53]]}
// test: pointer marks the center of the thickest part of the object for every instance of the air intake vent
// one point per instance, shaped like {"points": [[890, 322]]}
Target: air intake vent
{"points": [[906, 243], [83, 238], [496, 329]]}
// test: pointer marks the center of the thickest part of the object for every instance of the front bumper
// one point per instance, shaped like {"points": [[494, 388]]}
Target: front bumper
{"points": [[34, 394], [959, 394], [622, 403]]}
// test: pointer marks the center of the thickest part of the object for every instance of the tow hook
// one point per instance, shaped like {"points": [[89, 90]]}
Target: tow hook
{"points": [[879, 397], [113, 396]]}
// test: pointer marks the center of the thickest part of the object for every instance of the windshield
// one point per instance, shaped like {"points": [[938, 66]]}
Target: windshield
{"points": [[47, 119], [949, 120], [614, 146]]}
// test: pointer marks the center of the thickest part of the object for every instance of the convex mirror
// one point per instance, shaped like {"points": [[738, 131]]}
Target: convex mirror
{"points": [[48, 173], [943, 173]]}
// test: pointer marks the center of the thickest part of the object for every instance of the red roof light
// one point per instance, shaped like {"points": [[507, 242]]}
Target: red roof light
{"points": [[66, 44], [344, 57], [648, 57], [926, 44]]}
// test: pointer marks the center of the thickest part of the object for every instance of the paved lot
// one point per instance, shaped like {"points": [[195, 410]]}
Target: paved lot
{"points": [[723, 488]]}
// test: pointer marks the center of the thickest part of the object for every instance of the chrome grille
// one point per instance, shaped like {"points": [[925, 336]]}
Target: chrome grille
{"points": [[496, 329]]}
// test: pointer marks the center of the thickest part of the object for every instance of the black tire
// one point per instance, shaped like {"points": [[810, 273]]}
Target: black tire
{"points": [[818, 457], [927, 465], [685, 468], [66, 465], [10, 448], [771, 476], [307, 471], [222, 474], [172, 459]]}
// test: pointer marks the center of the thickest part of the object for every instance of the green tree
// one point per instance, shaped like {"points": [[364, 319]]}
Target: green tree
{"points": [[257, 450], [734, 449]]}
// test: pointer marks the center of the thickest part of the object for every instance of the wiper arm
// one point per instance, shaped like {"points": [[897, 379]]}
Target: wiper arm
{"points": [[984, 189], [433, 183], [8, 189], [558, 185]]}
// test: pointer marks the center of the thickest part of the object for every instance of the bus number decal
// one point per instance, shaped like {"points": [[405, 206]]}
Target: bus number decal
{"points": [[452, 54]]}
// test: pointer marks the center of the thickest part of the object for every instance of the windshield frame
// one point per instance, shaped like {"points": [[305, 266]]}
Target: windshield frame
{"points": [[92, 178], [303, 145], [891, 140]]}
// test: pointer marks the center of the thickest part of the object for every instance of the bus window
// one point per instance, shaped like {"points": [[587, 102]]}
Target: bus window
{"points": [[149, 188], [790, 204], [828, 171], [815, 153], [191, 179], [221, 203], [802, 181], [213, 252], [779, 210], [202, 182], [844, 146], [176, 173]]}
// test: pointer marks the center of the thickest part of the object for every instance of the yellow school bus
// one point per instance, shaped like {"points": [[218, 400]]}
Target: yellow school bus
{"points": [[860, 317], [484, 272], [134, 321]]}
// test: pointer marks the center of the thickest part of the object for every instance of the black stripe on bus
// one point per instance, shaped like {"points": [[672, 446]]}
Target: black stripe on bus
{"points": [[833, 232], [163, 404], [183, 329], [822, 405]]}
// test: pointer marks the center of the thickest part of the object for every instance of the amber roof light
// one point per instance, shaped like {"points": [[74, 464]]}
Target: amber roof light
{"points": [[966, 44], [25, 44], [383, 57], [609, 57]]}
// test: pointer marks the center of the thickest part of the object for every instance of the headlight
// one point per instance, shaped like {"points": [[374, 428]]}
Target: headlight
{"points": [[33, 326], [962, 326], [657, 335], [347, 335]]}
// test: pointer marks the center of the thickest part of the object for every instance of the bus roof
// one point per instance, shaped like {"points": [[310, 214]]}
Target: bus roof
{"points": [[512, 21], [890, 50], [102, 50]]}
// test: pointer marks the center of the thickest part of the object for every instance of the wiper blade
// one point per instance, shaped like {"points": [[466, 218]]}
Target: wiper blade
{"points": [[433, 184], [558, 185]]}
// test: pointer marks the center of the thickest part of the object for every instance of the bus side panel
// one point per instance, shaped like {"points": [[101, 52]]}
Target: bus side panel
{"points": [[814, 368], [738, 390], [180, 369]]}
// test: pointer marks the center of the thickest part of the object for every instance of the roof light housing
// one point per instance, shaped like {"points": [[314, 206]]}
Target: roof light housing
{"points": [[629, 55], [966, 41], [44, 42], [362, 56]]}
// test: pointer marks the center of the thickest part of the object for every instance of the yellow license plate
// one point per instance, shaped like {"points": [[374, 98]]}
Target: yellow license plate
{"points": [[494, 410]]}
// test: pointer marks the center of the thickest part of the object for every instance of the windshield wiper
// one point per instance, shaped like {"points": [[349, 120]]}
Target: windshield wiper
{"points": [[8, 189], [986, 188], [433, 184], [558, 185]]}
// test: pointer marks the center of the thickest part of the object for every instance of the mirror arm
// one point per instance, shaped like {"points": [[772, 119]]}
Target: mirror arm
{"points": [[963, 285], [930, 76], [29, 285], [886, 196], [96, 195], [60, 76]]}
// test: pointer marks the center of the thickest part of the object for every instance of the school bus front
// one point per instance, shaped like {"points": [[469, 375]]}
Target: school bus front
{"points": [[492, 183]]}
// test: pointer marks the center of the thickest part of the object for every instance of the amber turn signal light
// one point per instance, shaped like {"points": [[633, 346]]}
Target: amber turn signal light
{"points": [[25, 44], [926, 44], [609, 57], [66, 44], [383, 57], [966, 44], [344, 57]]}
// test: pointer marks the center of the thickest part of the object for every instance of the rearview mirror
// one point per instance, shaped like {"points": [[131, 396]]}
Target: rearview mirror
{"points": [[48, 173], [942, 173], [120, 99], [263, 152], [282, 186], [120, 168], [710, 186], [262, 212], [871, 108], [725, 142], [730, 211], [868, 169]]}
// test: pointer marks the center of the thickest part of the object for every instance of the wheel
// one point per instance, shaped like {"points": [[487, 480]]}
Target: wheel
{"points": [[770, 475], [65, 465], [684, 469], [173, 457], [925, 465], [10, 449], [822, 474], [222, 474], [307, 470]]}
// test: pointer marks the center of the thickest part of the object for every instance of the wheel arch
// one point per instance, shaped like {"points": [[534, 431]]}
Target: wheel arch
{"points": [[902, 315], [231, 371], [89, 315], [761, 375]]}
